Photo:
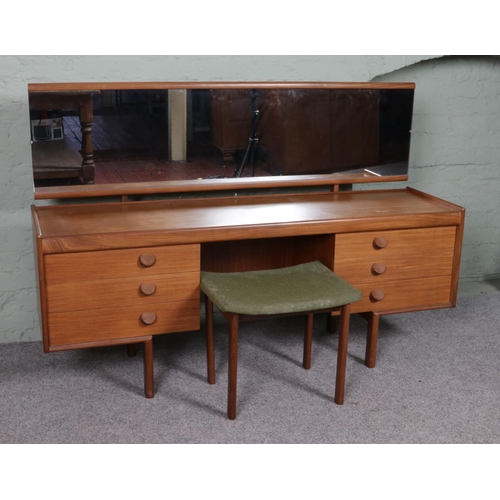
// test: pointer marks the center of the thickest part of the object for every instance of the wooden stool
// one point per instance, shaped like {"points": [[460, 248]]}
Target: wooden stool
{"points": [[304, 289]]}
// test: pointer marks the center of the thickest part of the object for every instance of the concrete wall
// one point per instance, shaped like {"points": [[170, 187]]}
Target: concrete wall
{"points": [[454, 152]]}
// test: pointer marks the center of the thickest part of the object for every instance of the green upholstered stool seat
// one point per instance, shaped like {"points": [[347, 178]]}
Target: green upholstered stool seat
{"points": [[302, 288], [298, 290]]}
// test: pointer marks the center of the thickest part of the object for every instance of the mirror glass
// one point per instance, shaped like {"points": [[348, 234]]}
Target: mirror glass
{"points": [[106, 136]]}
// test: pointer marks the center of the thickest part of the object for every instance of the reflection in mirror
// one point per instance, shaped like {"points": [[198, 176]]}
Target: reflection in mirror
{"points": [[123, 136]]}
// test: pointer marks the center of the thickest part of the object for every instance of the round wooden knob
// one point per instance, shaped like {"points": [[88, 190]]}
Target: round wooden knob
{"points": [[147, 288], [378, 268], [380, 242], [148, 318], [377, 295], [147, 259]]}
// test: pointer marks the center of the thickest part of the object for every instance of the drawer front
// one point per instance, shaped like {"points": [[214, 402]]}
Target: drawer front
{"points": [[404, 294], [73, 327], [394, 255], [108, 264], [95, 294]]}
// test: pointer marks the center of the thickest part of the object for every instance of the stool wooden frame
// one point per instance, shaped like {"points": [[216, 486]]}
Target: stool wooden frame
{"points": [[234, 320]]}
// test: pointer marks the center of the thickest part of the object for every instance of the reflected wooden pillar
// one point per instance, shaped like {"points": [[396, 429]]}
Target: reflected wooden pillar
{"points": [[60, 159], [86, 119], [177, 125]]}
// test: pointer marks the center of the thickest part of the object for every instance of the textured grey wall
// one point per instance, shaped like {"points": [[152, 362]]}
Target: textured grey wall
{"points": [[454, 152]]}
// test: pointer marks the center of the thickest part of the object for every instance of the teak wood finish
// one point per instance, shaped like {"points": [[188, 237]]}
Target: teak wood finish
{"points": [[234, 320], [120, 273]]}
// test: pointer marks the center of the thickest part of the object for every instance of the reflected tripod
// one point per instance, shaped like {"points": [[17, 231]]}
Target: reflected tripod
{"points": [[253, 142]]}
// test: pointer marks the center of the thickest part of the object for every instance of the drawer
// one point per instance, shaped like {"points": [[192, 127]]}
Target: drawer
{"points": [[393, 255], [108, 264], [73, 327], [97, 294], [404, 294]]}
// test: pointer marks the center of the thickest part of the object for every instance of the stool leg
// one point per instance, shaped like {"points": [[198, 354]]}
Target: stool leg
{"points": [[331, 323], [233, 365], [149, 389], [308, 335], [371, 339], [209, 320], [345, 312]]}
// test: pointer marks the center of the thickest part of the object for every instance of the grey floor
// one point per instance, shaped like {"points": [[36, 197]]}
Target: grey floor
{"points": [[58, 399]]}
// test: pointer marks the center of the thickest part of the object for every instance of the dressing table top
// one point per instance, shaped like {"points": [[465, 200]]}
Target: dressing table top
{"points": [[73, 228]]}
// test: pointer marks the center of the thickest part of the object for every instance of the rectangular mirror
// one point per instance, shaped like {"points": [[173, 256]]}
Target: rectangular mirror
{"points": [[162, 137]]}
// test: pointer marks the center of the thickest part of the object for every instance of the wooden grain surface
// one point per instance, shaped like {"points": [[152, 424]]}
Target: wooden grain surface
{"points": [[419, 293], [103, 265], [93, 251], [410, 253], [119, 225], [79, 295], [122, 322], [206, 185], [97, 86]]}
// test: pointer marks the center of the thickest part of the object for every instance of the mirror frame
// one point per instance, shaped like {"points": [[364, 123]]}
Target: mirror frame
{"points": [[206, 185]]}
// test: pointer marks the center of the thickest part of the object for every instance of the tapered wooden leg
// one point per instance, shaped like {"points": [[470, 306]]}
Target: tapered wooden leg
{"points": [[233, 366], [331, 323], [345, 312], [131, 350], [149, 389], [209, 319], [371, 339], [308, 335]]}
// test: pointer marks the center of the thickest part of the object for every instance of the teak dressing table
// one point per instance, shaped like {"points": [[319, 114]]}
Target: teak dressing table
{"points": [[122, 272]]}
